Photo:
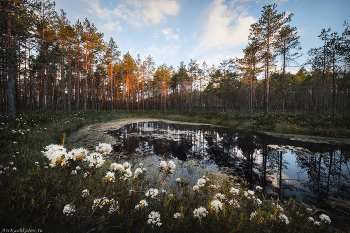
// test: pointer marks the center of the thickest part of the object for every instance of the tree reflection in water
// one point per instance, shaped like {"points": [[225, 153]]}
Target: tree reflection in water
{"points": [[307, 172]]}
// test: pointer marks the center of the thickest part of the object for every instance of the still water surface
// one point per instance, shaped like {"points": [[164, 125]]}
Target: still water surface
{"points": [[308, 172]]}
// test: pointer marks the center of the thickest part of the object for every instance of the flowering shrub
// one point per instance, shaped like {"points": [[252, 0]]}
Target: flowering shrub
{"points": [[90, 193]]}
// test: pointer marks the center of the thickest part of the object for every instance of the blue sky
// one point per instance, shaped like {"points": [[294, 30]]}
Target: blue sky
{"points": [[172, 31]]}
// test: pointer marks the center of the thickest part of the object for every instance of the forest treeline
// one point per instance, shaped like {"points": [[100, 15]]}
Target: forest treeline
{"points": [[47, 63]]}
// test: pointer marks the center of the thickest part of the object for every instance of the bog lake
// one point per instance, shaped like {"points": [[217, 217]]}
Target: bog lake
{"points": [[313, 172]]}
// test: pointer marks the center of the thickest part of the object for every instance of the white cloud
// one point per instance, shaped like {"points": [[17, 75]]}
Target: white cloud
{"points": [[164, 52], [168, 34], [226, 27], [140, 13], [103, 13], [112, 26], [135, 12]]}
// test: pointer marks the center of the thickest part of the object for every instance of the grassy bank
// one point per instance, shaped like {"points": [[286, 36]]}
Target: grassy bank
{"points": [[35, 195]]}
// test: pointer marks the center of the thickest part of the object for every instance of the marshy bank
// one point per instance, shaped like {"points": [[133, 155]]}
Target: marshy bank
{"points": [[22, 149]]}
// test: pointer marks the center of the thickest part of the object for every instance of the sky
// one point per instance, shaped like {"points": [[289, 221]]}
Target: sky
{"points": [[172, 31]]}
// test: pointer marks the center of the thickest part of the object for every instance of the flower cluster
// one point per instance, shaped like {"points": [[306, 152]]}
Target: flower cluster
{"points": [[325, 218], [103, 201], [104, 148], [169, 167], [284, 218], [109, 177], [152, 193], [216, 205], [85, 193], [95, 159], [68, 209], [154, 218], [200, 212], [125, 170], [249, 194], [234, 191], [201, 182], [220, 196], [234, 203], [141, 205], [58, 155]]}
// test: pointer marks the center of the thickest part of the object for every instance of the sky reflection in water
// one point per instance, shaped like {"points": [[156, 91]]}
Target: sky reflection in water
{"points": [[307, 172]]}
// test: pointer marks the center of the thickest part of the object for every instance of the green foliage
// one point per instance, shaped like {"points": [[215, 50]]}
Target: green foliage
{"points": [[34, 194]]}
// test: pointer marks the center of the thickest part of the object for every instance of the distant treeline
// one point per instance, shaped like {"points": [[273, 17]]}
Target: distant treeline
{"points": [[47, 63]]}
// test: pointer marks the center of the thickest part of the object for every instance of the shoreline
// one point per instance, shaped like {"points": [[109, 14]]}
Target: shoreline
{"points": [[97, 132]]}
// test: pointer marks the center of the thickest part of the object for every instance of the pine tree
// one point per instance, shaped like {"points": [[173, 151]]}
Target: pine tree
{"points": [[286, 40], [265, 32]]}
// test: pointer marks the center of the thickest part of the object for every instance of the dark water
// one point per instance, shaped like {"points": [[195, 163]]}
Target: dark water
{"points": [[311, 173]]}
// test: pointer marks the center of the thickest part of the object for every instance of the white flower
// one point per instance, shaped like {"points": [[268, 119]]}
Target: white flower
{"points": [[126, 165], [310, 219], [325, 218], [212, 186], [308, 210], [253, 214], [171, 165], [104, 148], [278, 207], [109, 177], [200, 213], [234, 203], [283, 218], [152, 193], [258, 188], [163, 164], [95, 159], [177, 180], [85, 193], [127, 173], [142, 204], [14, 168], [78, 154], [154, 218], [102, 202], [56, 154], [249, 194], [216, 205], [68, 209], [131, 191], [201, 182], [219, 196], [258, 201], [77, 168], [113, 208], [177, 215], [171, 195], [11, 163], [138, 172], [317, 223], [163, 191], [234, 191], [117, 167], [195, 188], [74, 172], [36, 163]]}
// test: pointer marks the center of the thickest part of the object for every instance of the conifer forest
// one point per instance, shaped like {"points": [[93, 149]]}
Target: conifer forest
{"points": [[49, 63]]}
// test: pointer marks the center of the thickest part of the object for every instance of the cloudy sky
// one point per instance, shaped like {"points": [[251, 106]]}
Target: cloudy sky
{"points": [[204, 30]]}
